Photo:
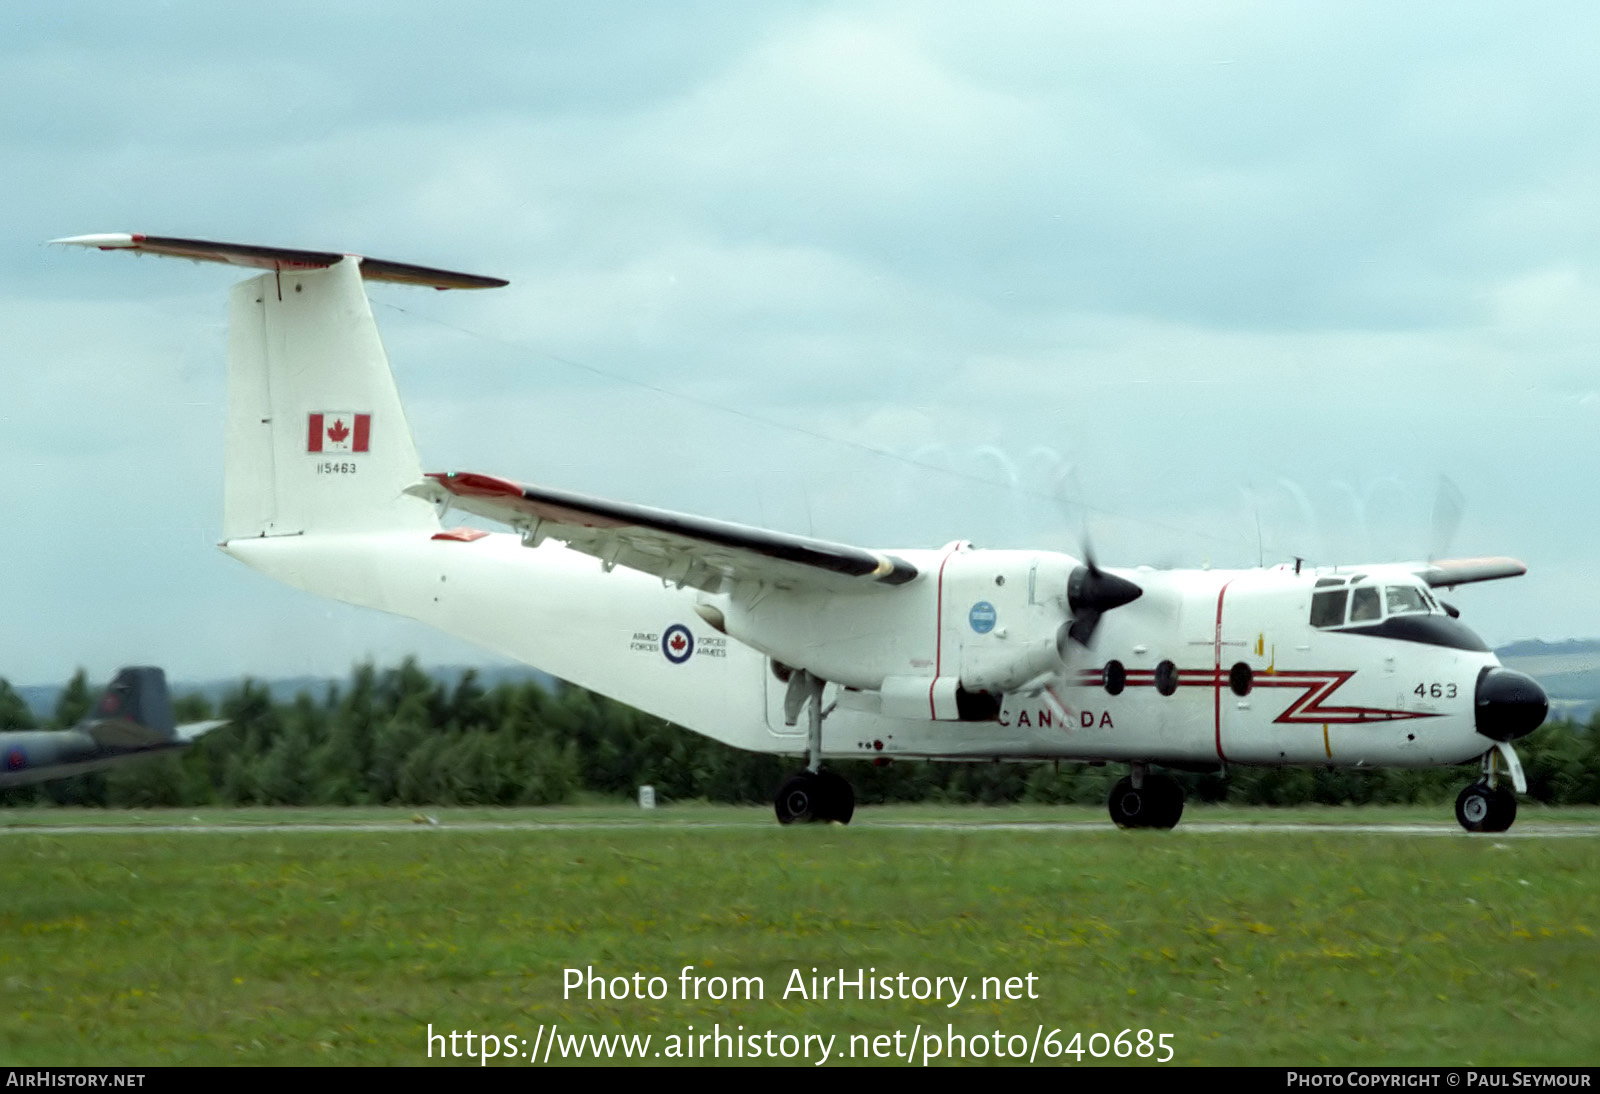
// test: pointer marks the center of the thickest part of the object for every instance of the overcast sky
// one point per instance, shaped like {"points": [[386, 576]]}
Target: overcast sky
{"points": [[875, 271]]}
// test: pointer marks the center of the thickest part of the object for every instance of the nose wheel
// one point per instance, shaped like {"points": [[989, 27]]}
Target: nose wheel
{"points": [[1143, 800], [1484, 808]]}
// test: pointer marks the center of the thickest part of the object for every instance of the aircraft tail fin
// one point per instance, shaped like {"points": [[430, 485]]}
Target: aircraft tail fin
{"points": [[135, 710], [316, 440]]}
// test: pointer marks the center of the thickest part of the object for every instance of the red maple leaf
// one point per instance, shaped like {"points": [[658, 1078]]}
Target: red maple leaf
{"points": [[338, 431], [677, 642]]}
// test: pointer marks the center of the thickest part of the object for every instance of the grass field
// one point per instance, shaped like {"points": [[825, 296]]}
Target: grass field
{"points": [[341, 947]]}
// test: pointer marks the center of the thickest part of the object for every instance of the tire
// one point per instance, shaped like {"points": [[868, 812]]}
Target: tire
{"points": [[1166, 806], [836, 798], [1129, 808], [797, 799], [1504, 810], [1481, 808]]}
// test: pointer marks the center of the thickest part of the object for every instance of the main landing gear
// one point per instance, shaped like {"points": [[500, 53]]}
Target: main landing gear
{"points": [[1488, 805], [1143, 800], [812, 794]]}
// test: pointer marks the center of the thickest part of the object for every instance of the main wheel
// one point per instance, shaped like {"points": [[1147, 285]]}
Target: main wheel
{"points": [[1482, 808], [836, 799], [1130, 808], [797, 799], [1158, 804], [1165, 801]]}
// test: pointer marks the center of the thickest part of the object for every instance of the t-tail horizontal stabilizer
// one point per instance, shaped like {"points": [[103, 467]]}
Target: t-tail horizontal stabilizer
{"points": [[280, 259]]}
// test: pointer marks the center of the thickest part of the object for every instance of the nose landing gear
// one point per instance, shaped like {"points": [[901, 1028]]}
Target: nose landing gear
{"points": [[1488, 805]]}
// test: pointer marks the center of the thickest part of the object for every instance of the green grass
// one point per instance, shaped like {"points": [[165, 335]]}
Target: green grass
{"points": [[341, 948]]}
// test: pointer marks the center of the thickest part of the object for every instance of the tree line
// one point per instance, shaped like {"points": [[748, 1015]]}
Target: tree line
{"points": [[399, 737]]}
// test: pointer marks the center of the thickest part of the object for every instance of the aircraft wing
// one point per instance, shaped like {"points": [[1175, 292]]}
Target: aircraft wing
{"points": [[190, 732], [1464, 571], [676, 547]]}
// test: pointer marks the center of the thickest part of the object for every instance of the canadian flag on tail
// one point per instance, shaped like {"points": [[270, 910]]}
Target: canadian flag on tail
{"points": [[338, 431]]}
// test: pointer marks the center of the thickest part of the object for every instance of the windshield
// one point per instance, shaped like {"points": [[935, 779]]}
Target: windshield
{"points": [[1403, 598], [1335, 604]]}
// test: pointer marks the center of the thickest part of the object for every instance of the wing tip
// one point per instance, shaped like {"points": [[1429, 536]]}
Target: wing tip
{"points": [[474, 484]]}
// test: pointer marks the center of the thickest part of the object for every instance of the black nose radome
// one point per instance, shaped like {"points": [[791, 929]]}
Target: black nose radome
{"points": [[1510, 704]]}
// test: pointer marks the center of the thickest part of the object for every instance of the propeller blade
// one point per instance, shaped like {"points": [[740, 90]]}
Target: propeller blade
{"points": [[1448, 504]]}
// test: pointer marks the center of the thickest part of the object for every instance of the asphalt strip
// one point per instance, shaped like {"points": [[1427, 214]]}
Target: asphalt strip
{"points": [[1531, 831]]}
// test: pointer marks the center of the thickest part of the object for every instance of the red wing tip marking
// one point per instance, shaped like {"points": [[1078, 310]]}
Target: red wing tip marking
{"points": [[461, 535], [470, 484]]}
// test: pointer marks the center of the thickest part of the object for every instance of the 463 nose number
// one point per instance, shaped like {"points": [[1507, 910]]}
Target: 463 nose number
{"points": [[1434, 691]]}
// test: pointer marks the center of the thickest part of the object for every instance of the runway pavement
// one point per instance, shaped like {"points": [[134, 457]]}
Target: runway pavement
{"points": [[426, 824]]}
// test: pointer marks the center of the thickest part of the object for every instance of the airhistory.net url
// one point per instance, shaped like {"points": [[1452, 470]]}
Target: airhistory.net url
{"points": [[551, 1044]]}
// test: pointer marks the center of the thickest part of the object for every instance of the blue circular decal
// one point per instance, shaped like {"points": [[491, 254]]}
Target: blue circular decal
{"points": [[982, 617], [677, 643]]}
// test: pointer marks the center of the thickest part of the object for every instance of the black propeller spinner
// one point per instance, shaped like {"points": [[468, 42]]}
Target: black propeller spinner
{"points": [[1091, 592]]}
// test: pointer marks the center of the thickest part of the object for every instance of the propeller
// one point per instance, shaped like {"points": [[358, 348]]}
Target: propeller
{"points": [[1448, 505], [1091, 592]]}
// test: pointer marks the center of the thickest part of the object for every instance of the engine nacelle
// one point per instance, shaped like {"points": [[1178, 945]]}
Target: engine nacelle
{"points": [[1000, 670]]}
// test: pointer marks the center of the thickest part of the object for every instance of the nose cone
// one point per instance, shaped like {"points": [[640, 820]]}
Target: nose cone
{"points": [[1509, 705]]}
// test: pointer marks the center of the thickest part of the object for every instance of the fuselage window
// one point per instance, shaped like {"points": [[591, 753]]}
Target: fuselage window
{"points": [[1240, 679], [1116, 677], [1166, 678], [1403, 598], [1327, 608], [1364, 606]]}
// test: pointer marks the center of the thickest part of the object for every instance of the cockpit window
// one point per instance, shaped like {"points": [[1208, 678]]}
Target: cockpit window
{"points": [[1364, 605], [1399, 599], [1324, 581], [1327, 608]]}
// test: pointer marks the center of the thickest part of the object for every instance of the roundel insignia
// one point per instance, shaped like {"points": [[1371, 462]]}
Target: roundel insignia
{"points": [[982, 617], [677, 643], [16, 760]]}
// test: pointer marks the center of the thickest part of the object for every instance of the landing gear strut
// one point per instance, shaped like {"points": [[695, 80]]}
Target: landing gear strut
{"points": [[812, 794], [1143, 800]]}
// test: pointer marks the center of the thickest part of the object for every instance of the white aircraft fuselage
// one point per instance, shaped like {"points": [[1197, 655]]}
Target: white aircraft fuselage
{"points": [[1327, 696]]}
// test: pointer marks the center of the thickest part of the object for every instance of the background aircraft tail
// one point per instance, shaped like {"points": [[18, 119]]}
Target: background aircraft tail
{"points": [[135, 710]]}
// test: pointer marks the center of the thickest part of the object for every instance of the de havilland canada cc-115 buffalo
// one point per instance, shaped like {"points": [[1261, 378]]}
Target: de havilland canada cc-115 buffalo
{"points": [[132, 720], [789, 644]]}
